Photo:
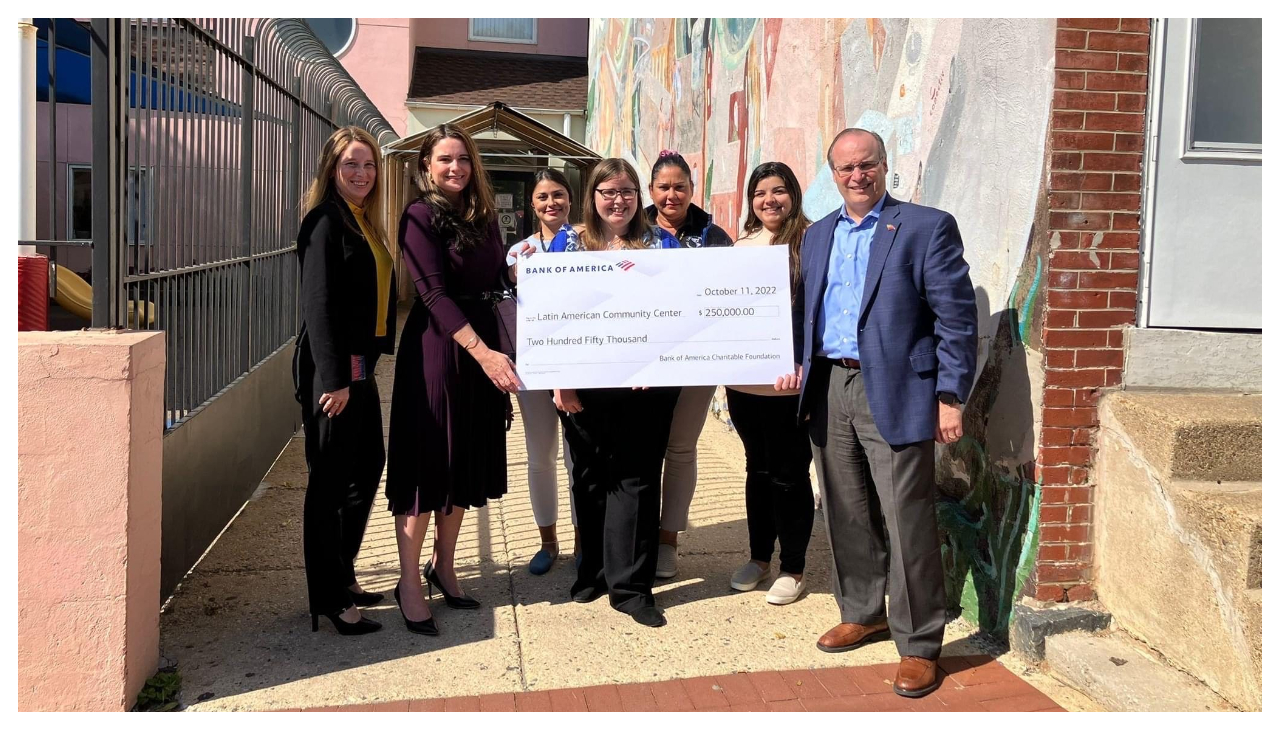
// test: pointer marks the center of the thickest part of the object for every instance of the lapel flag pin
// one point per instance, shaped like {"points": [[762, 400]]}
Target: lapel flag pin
{"points": [[891, 227]]}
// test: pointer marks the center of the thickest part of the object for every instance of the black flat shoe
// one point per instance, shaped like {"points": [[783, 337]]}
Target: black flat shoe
{"points": [[426, 627], [464, 601], [363, 626], [366, 599], [649, 616]]}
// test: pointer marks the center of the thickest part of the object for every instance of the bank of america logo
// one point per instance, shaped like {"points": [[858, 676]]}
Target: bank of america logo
{"points": [[625, 265]]}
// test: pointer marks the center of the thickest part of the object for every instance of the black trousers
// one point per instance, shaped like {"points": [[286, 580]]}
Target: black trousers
{"points": [[345, 455], [779, 493], [879, 502], [618, 442]]}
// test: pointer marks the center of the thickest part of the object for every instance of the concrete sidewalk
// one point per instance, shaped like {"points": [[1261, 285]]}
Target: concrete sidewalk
{"points": [[239, 631]]}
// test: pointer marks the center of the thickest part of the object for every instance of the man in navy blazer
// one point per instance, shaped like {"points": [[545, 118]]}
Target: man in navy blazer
{"points": [[885, 329]]}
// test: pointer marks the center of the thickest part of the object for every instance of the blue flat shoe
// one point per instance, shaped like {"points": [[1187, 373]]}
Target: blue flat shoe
{"points": [[541, 562]]}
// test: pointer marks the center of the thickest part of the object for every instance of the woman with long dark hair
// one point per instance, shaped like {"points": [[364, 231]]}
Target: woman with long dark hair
{"points": [[673, 211], [552, 201], [617, 435], [447, 446], [348, 319], [778, 491]]}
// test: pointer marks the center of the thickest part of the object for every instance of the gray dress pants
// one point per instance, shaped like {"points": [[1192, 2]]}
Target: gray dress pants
{"points": [[878, 501]]}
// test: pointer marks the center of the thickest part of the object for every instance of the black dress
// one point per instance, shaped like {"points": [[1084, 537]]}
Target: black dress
{"points": [[447, 446]]}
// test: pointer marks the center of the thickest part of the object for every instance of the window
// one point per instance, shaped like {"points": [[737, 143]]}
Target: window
{"points": [[1224, 89], [504, 30], [80, 203], [335, 33]]}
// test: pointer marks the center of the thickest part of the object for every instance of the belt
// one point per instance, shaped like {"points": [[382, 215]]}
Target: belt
{"points": [[844, 362], [489, 297]]}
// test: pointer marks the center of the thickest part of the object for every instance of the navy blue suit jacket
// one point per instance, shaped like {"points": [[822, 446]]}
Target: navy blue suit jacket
{"points": [[918, 326]]}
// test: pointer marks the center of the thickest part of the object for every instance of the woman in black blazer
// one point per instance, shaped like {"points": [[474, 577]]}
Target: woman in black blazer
{"points": [[348, 320]]}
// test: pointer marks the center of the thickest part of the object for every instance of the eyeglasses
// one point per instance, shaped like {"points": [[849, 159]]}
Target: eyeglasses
{"points": [[866, 168], [610, 194]]}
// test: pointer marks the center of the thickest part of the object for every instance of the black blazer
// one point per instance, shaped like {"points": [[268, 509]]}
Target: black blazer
{"points": [[339, 298]]}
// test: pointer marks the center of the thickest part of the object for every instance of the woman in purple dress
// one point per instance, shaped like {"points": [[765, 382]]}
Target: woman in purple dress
{"points": [[447, 447]]}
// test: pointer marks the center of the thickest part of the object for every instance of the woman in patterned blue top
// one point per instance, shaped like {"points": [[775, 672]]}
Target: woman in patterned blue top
{"points": [[552, 201], [673, 212], [617, 436]]}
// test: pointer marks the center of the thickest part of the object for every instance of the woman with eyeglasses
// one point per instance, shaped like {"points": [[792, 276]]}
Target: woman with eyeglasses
{"points": [[778, 491], [447, 446], [552, 201], [673, 211], [617, 435], [347, 298]]}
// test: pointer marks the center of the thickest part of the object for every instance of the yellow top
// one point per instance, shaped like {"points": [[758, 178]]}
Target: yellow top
{"points": [[381, 260]]}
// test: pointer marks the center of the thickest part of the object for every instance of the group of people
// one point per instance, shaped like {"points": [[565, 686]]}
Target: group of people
{"points": [[884, 325]]}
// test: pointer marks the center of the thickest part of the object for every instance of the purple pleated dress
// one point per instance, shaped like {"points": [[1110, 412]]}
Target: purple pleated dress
{"points": [[447, 443]]}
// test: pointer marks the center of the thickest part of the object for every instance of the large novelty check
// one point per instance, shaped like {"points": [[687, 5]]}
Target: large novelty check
{"points": [[628, 318]]}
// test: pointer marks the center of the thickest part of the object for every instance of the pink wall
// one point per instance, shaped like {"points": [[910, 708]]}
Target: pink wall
{"points": [[556, 36], [90, 417], [380, 60]]}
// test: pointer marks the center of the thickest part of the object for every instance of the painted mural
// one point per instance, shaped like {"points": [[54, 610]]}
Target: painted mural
{"points": [[963, 107]]}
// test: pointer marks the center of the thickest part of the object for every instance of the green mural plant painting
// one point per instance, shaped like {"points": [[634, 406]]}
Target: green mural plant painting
{"points": [[990, 538]]}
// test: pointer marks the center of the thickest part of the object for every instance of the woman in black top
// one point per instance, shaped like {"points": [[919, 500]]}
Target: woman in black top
{"points": [[348, 320], [671, 187]]}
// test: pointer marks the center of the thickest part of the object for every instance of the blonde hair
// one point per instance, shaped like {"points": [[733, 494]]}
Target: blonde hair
{"points": [[596, 235], [323, 187], [476, 206]]}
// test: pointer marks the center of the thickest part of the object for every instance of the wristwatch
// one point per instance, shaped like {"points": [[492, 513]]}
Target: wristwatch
{"points": [[948, 398]]}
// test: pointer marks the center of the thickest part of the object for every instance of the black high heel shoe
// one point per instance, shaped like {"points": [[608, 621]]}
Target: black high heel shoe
{"points": [[366, 599], [363, 626], [426, 627], [464, 601]]}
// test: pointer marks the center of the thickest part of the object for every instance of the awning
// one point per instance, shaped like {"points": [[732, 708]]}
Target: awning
{"points": [[498, 117]]}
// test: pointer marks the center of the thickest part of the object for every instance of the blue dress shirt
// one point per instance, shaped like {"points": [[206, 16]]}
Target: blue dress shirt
{"points": [[846, 275]]}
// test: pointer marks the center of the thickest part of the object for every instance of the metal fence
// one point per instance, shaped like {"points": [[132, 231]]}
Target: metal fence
{"points": [[206, 133]]}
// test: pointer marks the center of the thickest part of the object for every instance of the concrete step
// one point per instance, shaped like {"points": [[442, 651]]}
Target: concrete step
{"points": [[1178, 559], [1115, 671], [1193, 436]]}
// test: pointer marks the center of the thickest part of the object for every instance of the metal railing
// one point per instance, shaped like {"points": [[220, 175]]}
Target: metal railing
{"points": [[206, 133]]}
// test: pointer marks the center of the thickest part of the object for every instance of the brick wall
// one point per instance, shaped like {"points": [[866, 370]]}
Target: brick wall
{"points": [[1096, 143]]}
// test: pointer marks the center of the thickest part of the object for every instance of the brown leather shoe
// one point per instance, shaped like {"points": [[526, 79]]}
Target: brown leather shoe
{"points": [[844, 637], [917, 677]]}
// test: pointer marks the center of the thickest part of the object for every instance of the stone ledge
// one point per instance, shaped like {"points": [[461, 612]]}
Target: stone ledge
{"points": [[1114, 672], [1190, 436], [1031, 626]]}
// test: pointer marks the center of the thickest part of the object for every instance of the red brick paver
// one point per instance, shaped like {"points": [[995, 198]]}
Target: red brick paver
{"points": [[971, 684]]}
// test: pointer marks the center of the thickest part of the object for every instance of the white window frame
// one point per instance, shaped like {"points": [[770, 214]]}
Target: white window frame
{"points": [[1221, 150], [471, 35]]}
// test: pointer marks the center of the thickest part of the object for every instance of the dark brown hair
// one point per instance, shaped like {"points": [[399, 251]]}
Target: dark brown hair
{"points": [[476, 207], [793, 227], [670, 158]]}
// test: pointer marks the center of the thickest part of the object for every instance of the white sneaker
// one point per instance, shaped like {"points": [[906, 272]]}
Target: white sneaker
{"points": [[666, 561], [785, 590], [748, 577]]}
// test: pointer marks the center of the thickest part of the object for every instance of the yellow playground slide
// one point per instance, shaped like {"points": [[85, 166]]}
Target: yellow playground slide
{"points": [[76, 296]]}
